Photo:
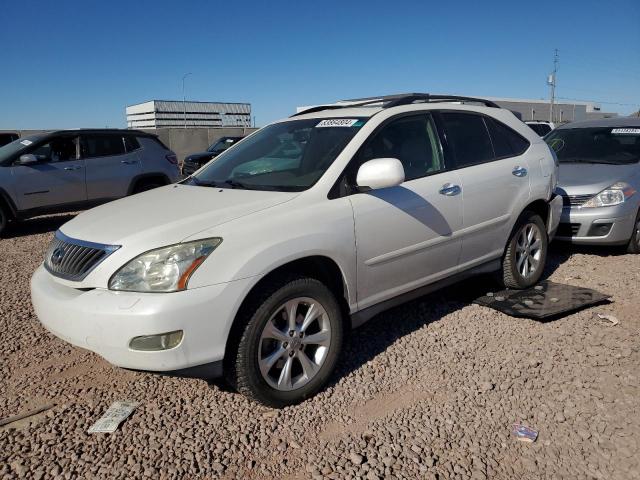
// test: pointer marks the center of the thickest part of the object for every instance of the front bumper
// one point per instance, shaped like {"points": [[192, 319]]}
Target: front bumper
{"points": [[598, 226], [105, 321]]}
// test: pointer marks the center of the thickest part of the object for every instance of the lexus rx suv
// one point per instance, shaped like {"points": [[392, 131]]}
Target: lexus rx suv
{"points": [[76, 169], [599, 181], [254, 267]]}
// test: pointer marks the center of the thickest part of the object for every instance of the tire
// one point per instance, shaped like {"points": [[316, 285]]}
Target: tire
{"points": [[522, 264], [4, 219], [146, 186], [266, 338], [634, 242]]}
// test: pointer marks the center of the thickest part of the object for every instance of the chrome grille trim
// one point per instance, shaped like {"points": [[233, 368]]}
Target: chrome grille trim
{"points": [[78, 257], [575, 200]]}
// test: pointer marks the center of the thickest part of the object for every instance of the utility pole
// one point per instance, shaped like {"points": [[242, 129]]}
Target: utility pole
{"points": [[184, 99], [551, 81]]}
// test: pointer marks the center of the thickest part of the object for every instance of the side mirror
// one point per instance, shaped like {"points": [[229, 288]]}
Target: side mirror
{"points": [[380, 173], [27, 159]]}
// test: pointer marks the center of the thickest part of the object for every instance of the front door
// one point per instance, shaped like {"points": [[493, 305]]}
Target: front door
{"points": [[406, 235], [57, 179]]}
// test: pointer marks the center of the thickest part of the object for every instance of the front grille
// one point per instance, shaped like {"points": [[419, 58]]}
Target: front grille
{"points": [[73, 259], [568, 229], [575, 200]]}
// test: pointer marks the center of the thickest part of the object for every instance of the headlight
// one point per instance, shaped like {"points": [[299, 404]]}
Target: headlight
{"points": [[614, 195], [166, 269]]}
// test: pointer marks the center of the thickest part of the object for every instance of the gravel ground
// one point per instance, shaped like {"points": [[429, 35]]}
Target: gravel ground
{"points": [[428, 390]]}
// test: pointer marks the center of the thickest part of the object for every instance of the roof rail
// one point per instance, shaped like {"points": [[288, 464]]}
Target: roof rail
{"points": [[396, 100]]}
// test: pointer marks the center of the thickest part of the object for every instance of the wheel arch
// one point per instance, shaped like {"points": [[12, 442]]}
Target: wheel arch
{"points": [[320, 267], [7, 202], [144, 177]]}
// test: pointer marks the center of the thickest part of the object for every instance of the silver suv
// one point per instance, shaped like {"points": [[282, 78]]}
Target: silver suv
{"points": [[77, 169]]}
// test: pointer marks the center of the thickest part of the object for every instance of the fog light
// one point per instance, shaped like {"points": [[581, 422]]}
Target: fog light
{"points": [[599, 229], [154, 343]]}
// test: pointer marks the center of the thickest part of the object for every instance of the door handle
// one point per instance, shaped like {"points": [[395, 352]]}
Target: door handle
{"points": [[128, 162], [74, 167], [450, 190], [519, 171]]}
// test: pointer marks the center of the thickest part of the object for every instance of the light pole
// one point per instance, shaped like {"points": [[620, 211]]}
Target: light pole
{"points": [[184, 99]]}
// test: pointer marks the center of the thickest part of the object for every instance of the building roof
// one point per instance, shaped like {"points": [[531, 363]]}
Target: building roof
{"points": [[604, 122], [187, 101]]}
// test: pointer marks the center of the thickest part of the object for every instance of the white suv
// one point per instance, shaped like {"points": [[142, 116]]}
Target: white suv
{"points": [[254, 266]]}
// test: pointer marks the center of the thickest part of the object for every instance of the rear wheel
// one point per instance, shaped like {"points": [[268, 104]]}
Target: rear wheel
{"points": [[290, 342], [634, 242], [526, 253], [4, 219], [147, 185]]}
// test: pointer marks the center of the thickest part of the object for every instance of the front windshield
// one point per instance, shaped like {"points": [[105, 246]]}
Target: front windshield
{"points": [[286, 156], [11, 149], [610, 145], [221, 145]]}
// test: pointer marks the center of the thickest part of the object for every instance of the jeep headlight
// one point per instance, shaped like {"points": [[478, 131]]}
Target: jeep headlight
{"points": [[166, 269], [614, 195]]}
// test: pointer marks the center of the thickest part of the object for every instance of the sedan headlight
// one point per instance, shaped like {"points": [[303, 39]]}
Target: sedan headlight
{"points": [[166, 269], [614, 195]]}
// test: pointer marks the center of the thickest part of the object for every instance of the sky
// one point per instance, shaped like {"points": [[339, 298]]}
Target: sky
{"points": [[71, 64]]}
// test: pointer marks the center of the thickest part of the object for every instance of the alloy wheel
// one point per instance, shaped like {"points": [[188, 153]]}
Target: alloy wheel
{"points": [[294, 344], [528, 250]]}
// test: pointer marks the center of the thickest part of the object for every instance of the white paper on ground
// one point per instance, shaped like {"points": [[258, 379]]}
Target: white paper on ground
{"points": [[113, 417]]}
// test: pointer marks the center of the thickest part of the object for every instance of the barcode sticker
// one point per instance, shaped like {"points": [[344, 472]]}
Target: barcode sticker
{"points": [[337, 122], [625, 131]]}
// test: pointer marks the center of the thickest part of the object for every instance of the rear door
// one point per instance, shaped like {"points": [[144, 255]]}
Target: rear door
{"points": [[494, 173], [57, 179], [112, 161]]}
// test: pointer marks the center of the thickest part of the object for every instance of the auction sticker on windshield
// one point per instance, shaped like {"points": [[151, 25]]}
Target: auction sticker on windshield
{"points": [[26, 143], [625, 131], [338, 122]]}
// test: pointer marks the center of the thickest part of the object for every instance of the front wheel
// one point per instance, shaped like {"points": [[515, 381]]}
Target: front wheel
{"points": [[634, 242], [290, 342], [526, 253], [4, 219]]}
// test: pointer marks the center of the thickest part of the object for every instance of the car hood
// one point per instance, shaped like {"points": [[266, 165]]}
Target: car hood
{"points": [[194, 157], [168, 215], [592, 178]]}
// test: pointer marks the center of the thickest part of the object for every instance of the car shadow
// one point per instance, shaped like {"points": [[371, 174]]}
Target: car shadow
{"points": [[374, 337], [37, 225]]}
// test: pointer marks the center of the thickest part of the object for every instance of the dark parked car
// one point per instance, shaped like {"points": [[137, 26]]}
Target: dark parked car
{"points": [[8, 137], [196, 160]]}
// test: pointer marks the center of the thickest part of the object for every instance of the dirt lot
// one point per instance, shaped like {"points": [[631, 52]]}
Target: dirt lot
{"points": [[428, 390]]}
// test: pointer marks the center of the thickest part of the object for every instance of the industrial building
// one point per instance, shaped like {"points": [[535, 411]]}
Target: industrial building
{"points": [[176, 113], [563, 111]]}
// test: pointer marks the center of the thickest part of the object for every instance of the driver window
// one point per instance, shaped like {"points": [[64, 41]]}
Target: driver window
{"points": [[57, 150], [412, 140]]}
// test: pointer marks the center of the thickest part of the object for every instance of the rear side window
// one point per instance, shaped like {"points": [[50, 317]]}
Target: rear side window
{"points": [[131, 143], [102, 146], [469, 138], [506, 142]]}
